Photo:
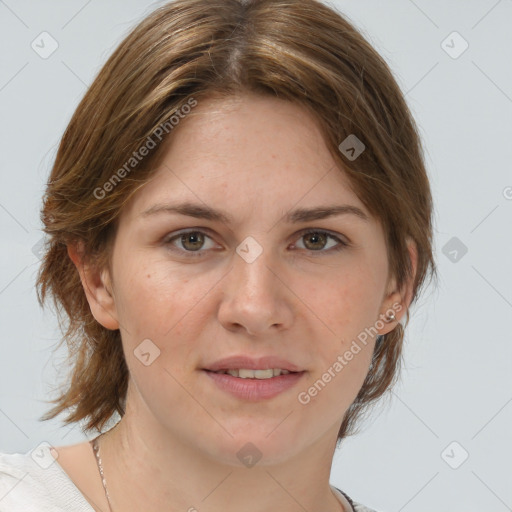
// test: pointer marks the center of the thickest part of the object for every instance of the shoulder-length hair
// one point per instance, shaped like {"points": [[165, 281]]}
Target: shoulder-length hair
{"points": [[297, 50]]}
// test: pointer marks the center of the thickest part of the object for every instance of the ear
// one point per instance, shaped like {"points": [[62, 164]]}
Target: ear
{"points": [[398, 301], [98, 289]]}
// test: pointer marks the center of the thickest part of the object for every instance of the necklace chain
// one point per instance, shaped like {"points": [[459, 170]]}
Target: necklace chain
{"points": [[96, 450]]}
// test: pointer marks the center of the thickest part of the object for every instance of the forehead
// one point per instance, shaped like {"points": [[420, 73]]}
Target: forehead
{"points": [[245, 153]]}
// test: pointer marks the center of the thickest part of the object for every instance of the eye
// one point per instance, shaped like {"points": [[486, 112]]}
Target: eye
{"points": [[190, 241], [317, 241]]}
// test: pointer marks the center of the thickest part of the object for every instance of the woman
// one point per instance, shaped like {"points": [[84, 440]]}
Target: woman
{"points": [[239, 218]]}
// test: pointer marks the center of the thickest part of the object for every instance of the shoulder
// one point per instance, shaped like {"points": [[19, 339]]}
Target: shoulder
{"points": [[17, 486], [356, 507], [33, 481]]}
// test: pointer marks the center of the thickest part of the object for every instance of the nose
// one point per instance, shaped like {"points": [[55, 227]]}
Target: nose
{"points": [[256, 296]]}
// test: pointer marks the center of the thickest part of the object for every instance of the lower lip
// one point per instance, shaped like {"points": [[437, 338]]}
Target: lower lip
{"points": [[254, 389]]}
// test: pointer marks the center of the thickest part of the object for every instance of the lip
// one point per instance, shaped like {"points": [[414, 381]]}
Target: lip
{"points": [[254, 389], [250, 363]]}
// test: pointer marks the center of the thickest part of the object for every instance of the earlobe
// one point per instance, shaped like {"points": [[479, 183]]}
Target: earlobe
{"points": [[97, 287], [392, 312]]}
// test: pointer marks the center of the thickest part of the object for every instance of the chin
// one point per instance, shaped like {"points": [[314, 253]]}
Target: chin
{"points": [[250, 447]]}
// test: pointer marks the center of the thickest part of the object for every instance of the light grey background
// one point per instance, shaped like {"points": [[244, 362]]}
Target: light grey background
{"points": [[457, 382]]}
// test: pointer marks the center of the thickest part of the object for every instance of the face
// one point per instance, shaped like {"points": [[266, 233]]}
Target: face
{"points": [[265, 280]]}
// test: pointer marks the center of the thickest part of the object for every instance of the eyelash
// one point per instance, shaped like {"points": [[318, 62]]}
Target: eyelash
{"points": [[199, 253]]}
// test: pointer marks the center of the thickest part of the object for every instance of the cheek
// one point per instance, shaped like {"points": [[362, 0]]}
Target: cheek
{"points": [[348, 306], [157, 294], [162, 303], [346, 301]]}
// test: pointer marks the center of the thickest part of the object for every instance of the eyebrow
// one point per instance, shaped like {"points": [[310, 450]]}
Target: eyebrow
{"points": [[199, 211]]}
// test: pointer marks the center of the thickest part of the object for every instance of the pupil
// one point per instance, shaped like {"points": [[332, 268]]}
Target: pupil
{"points": [[315, 237], [196, 240]]}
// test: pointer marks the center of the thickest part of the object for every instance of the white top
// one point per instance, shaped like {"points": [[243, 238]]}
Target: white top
{"points": [[36, 482]]}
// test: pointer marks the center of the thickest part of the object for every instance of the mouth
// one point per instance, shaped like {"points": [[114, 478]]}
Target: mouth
{"points": [[247, 373], [249, 385], [251, 379]]}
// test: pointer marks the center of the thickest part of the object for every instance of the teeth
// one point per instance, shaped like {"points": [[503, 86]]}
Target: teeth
{"points": [[243, 373]]}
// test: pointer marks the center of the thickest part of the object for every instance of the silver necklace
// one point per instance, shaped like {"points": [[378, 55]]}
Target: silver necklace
{"points": [[96, 450]]}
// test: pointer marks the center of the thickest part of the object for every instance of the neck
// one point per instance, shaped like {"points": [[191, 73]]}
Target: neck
{"points": [[148, 468]]}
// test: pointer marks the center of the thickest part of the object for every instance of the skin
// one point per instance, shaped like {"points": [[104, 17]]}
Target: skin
{"points": [[256, 158]]}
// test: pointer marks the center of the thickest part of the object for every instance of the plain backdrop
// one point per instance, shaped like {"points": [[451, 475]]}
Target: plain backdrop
{"points": [[442, 441]]}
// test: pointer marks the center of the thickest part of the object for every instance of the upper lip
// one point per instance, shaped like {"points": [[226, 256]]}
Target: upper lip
{"points": [[249, 363]]}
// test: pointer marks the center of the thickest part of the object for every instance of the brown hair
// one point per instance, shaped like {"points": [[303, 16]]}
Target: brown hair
{"points": [[297, 50]]}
